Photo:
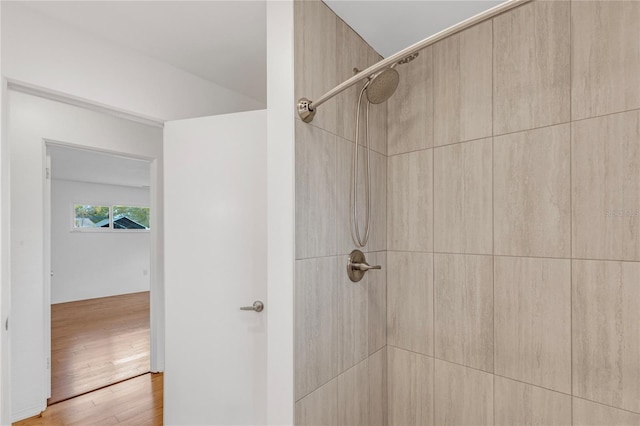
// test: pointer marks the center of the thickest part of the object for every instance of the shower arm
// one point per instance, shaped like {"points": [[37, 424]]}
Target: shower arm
{"points": [[307, 108]]}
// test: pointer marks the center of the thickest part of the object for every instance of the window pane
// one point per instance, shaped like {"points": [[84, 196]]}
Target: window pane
{"points": [[88, 216], [126, 217]]}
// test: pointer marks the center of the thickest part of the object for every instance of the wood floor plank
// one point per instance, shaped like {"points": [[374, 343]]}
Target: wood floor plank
{"points": [[137, 401], [98, 342], [94, 344]]}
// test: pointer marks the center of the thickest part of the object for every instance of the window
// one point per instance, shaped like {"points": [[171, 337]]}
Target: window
{"points": [[126, 217], [101, 217], [89, 216]]}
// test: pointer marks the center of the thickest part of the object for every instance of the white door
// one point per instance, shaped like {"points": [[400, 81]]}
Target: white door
{"points": [[215, 262]]}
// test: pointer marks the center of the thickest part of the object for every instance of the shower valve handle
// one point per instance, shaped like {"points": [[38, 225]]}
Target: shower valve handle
{"points": [[364, 266], [357, 266]]}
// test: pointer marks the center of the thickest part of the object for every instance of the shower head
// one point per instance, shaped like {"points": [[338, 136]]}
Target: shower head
{"points": [[382, 85]]}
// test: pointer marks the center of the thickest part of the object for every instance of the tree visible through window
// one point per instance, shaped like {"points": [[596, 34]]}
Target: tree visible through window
{"points": [[111, 217], [88, 216], [138, 215]]}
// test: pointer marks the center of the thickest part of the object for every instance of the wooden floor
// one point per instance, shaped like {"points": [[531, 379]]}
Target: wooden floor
{"points": [[134, 402], [98, 342]]}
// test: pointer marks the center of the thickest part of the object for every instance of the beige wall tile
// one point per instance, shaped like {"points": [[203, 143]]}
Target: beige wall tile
{"points": [[463, 197], [315, 58], [605, 57], [378, 116], [317, 332], [464, 309], [463, 396], [354, 52], [376, 282], [410, 301], [519, 403], [531, 69], [587, 413], [606, 332], [344, 150], [353, 396], [315, 192], [606, 187], [319, 408], [410, 201], [410, 109], [353, 299], [378, 237], [377, 363], [351, 52], [533, 321], [411, 388], [531, 190], [378, 234], [463, 88]]}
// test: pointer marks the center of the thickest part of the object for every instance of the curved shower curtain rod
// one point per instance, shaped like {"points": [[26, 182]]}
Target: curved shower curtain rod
{"points": [[307, 108]]}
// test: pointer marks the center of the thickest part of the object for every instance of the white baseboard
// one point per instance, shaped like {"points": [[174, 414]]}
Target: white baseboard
{"points": [[29, 411]]}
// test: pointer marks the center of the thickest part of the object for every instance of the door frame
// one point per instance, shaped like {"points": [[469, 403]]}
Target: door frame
{"points": [[156, 269], [156, 284], [280, 218]]}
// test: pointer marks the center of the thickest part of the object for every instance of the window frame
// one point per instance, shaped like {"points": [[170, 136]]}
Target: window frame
{"points": [[110, 228]]}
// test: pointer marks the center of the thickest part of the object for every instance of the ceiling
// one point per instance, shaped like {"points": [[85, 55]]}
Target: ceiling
{"points": [[390, 26], [225, 41], [96, 167], [221, 41]]}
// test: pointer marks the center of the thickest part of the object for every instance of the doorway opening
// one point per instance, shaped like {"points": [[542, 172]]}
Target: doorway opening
{"points": [[98, 259]]}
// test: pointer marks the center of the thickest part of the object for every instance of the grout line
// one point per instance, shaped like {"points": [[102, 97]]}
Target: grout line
{"points": [[477, 369], [570, 122], [523, 130], [603, 404], [516, 256], [439, 146], [433, 240], [334, 134], [385, 367], [325, 256], [493, 226], [605, 115], [571, 206], [433, 392], [316, 388], [439, 359], [512, 379]]}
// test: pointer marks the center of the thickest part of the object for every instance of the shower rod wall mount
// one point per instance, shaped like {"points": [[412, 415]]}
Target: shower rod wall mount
{"points": [[307, 108], [304, 110]]}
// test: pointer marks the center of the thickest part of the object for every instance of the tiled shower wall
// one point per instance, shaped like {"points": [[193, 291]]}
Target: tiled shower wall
{"points": [[513, 218], [340, 327]]}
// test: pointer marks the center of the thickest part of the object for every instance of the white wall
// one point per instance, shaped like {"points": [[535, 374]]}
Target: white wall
{"points": [[87, 265], [87, 70], [46, 53], [5, 289], [280, 212], [30, 120]]}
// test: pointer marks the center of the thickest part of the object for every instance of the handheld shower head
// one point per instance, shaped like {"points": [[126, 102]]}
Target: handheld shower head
{"points": [[379, 87], [382, 85]]}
